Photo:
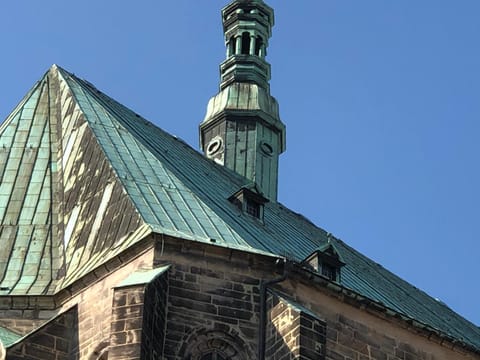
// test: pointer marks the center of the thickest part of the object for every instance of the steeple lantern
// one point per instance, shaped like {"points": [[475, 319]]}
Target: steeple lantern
{"points": [[247, 26], [242, 129]]}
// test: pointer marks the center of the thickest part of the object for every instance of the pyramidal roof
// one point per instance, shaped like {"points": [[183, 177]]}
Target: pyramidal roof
{"points": [[83, 178]]}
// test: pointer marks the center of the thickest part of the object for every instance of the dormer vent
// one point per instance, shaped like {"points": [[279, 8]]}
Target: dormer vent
{"points": [[326, 261], [249, 202]]}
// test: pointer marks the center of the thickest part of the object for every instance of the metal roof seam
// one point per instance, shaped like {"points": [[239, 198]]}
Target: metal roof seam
{"points": [[200, 193]]}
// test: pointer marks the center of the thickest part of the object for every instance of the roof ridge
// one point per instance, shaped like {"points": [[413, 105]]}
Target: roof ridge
{"points": [[108, 104], [81, 239]]}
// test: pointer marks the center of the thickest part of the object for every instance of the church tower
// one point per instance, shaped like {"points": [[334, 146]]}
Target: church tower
{"points": [[242, 129]]}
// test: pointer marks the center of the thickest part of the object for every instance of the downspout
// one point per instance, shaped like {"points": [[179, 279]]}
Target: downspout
{"points": [[262, 327]]}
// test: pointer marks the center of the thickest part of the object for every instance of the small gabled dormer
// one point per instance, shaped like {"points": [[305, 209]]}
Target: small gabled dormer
{"points": [[327, 261], [249, 200]]}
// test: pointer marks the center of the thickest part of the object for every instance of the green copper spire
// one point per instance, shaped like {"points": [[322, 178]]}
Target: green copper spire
{"points": [[242, 129]]}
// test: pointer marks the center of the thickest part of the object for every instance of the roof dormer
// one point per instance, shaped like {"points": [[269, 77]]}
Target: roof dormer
{"points": [[249, 200], [327, 261]]}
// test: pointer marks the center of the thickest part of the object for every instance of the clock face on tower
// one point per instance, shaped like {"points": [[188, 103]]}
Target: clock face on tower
{"points": [[214, 146], [266, 148]]}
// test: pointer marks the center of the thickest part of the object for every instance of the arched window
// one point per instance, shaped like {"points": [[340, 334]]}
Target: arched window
{"points": [[214, 345], [246, 43], [100, 352], [232, 45], [259, 46]]}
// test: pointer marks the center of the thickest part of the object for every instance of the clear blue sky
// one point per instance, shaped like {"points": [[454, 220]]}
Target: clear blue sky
{"points": [[381, 100]]}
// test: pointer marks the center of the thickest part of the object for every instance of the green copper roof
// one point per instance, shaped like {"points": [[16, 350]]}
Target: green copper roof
{"points": [[62, 206], [27, 175], [108, 163], [8, 337], [142, 277]]}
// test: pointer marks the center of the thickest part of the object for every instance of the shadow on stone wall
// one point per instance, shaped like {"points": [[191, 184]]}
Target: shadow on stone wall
{"points": [[293, 330], [57, 339]]}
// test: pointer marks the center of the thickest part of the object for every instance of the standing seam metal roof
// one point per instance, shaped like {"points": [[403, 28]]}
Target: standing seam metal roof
{"points": [[285, 233], [176, 191]]}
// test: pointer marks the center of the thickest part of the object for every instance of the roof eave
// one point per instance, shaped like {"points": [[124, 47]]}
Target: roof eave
{"points": [[364, 302]]}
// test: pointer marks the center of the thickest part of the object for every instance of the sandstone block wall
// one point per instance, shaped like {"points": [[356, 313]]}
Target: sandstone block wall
{"points": [[206, 304], [55, 341], [127, 322], [360, 333], [154, 318], [349, 339], [292, 333]]}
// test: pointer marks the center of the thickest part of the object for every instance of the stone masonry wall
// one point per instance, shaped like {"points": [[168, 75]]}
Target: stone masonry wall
{"points": [[95, 307], [55, 341], [348, 338], [292, 333], [211, 307], [313, 334], [210, 301], [361, 334], [138, 320], [213, 303], [19, 322], [21, 315], [127, 322], [281, 337], [154, 318]]}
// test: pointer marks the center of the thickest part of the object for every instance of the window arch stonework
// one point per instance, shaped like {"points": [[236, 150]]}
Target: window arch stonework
{"points": [[101, 351], [214, 345]]}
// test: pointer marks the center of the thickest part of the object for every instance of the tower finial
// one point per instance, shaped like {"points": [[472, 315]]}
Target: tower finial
{"points": [[242, 129]]}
